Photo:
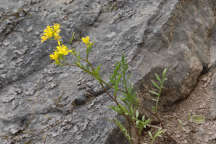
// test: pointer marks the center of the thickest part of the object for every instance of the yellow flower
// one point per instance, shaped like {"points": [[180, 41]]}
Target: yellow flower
{"points": [[86, 40], [50, 32], [62, 49], [56, 27], [55, 56], [57, 36], [43, 38], [56, 31]]}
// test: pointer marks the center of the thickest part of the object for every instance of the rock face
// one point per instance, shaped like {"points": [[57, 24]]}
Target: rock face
{"points": [[36, 96], [213, 97], [180, 40]]}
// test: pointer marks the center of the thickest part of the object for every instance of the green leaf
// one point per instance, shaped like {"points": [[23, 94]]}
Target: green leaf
{"points": [[155, 84], [115, 73], [143, 118], [137, 123], [123, 129], [199, 119], [88, 50], [164, 73], [131, 96], [155, 100], [116, 109], [124, 64], [120, 109], [97, 70], [154, 93], [124, 68], [159, 133], [158, 78], [154, 109], [150, 134], [137, 113], [124, 100], [78, 56], [116, 86], [72, 38], [131, 110], [180, 121]]}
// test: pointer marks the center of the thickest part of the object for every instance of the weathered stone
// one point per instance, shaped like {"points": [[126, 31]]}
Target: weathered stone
{"points": [[176, 39], [153, 35], [212, 91]]}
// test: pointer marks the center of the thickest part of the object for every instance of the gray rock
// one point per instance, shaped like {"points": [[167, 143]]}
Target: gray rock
{"points": [[212, 92], [153, 35]]}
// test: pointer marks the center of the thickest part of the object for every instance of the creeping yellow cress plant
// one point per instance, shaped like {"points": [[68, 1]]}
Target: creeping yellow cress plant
{"points": [[124, 96]]}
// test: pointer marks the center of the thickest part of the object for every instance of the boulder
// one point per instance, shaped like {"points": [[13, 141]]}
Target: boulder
{"points": [[36, 95]]}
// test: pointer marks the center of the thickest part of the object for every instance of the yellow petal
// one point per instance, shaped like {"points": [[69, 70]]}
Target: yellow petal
{"points": [[56, 27], [59, 43], [86, 40], [43, 38], [57, 37]]}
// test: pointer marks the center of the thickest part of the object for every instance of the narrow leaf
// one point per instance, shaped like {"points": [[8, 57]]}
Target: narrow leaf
{"points": [[153, 108], [154, 93], [155, 84], [150, 134], [97, 70], [199, 119], [115, 72], [158, 78], [164, 73], [143, 118], [137, 113], [155, 100], [123, 129]]}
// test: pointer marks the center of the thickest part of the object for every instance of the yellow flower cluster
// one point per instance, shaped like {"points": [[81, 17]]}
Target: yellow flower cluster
{"points": [[86, 41], [51, 32], [61, 50]]}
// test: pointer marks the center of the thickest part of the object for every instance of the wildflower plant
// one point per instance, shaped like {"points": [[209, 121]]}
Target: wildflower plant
{"points": [[156, 135], [124, 97], [158, 88]]}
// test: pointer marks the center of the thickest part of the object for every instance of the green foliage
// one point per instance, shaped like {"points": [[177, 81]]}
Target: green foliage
{"points": [[159, 85], [123, 130], [158, 133], [141, 124], [128, 100], [198, 119], [72, 38]]}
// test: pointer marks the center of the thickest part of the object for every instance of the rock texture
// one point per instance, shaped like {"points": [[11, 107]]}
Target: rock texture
{"points": [[180, 41], [36, 96]]}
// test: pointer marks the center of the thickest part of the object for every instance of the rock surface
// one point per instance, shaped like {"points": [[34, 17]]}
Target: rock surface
{"points": [[36, 96]]}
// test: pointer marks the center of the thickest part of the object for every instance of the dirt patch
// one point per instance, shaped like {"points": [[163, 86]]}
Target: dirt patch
{"points": [[180, 121]]}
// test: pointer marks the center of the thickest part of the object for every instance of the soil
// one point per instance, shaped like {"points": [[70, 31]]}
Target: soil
{"points": [[179, 122]]}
